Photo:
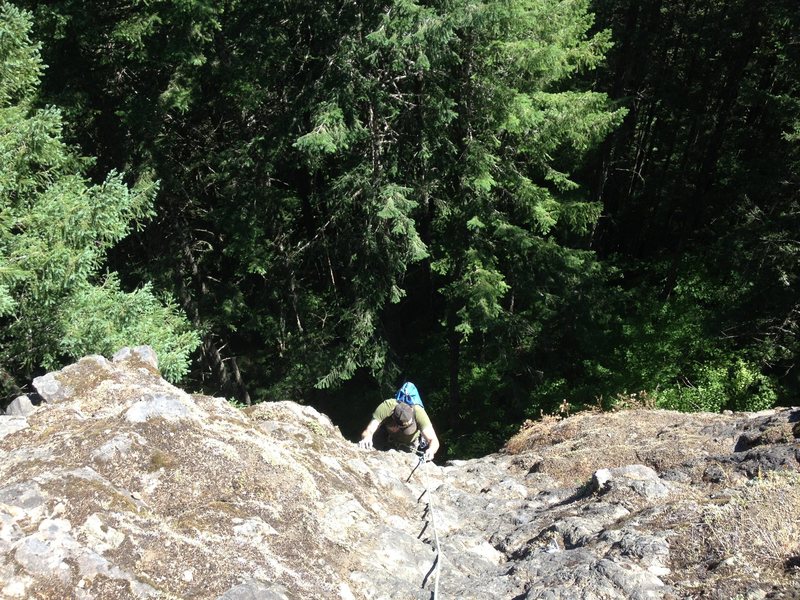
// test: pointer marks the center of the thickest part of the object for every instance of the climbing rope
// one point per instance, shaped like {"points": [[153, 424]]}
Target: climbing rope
{"points": [[431, 513]]}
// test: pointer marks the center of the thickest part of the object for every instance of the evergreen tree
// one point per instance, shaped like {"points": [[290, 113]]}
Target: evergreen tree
{"points": [[280, 264], [508, 256], [466, 111], [56, 302]]}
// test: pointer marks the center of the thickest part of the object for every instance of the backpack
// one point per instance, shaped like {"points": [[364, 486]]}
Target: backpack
{"points": [[409, 395]]}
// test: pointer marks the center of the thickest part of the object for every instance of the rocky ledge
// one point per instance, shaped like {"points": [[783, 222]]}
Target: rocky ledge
{"points": [[120, 485]]}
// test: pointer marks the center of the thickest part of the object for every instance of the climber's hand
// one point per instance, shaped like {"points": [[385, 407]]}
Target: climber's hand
{"points": [[428, 455], [365, 443]]}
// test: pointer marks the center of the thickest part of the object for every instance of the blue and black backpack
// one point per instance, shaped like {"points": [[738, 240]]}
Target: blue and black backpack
{"points": [[409, 394]]}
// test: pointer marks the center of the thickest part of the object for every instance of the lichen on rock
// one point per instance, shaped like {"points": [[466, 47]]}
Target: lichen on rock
{"points": [[120, 485]]}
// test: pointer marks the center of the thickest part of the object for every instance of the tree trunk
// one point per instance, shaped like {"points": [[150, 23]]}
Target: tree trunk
{"points": [[454, 366]]}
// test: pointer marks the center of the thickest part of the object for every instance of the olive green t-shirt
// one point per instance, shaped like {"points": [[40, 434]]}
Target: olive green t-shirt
{"points": [[398, 438]]}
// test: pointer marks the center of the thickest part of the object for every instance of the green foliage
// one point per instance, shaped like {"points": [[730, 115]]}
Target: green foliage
{"points": [[487, 410], [330, 134], [55, 230], [678, 358], [102, 318], [20, 65], [235, 403], [735, 386]]}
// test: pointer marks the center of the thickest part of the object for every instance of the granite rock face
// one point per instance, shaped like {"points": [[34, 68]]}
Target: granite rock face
{"points": [[120, 485]]}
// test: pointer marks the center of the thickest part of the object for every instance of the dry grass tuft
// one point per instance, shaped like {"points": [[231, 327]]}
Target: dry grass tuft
{"points": [[754, 536], [758, 528], [635, 401]]}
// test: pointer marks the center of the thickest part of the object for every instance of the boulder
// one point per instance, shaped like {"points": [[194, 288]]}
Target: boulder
{"points": [[21, 406]]}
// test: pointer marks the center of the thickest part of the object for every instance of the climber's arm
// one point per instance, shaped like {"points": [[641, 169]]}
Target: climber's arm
{"points": [[366, 435]]}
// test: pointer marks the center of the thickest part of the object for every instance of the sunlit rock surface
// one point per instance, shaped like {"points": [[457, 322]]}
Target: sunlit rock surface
{"points": [[120, 485]]}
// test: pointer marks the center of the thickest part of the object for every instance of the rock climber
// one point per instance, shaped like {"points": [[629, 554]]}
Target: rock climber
{"points": [[401, 423]]}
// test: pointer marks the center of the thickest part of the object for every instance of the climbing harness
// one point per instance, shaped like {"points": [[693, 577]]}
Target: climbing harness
{"points": [[430, 512]]}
